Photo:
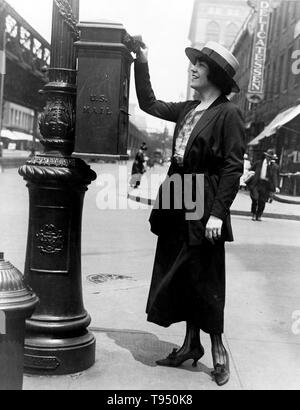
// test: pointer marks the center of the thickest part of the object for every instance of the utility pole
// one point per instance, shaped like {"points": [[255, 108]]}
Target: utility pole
{"points": [[57, 339]]}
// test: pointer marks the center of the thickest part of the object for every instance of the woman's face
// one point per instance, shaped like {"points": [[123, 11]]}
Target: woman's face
{"points": [[199, 81]]}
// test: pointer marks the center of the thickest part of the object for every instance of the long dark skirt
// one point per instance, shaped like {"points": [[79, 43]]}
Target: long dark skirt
{"points": [[188, 284]]}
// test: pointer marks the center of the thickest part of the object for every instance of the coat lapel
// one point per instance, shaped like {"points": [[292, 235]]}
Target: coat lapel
{"points": [[205, 120]]}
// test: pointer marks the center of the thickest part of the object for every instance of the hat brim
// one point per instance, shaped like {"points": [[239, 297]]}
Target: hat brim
{"points": [[270, 155], [193, 55]]}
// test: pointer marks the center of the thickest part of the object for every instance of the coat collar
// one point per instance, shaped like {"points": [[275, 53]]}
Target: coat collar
{"points": [[209, 115]]}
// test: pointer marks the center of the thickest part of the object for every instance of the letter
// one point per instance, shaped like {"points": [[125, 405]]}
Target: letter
{"points": [[196, 181], [257, 64], [257, 71], [138, 401], [255, 87], [261, 43], [296, 64], [264, 4], [296, 324], [2, 323], [261, 35], [107, 197], [176, 182], [260, 52]]}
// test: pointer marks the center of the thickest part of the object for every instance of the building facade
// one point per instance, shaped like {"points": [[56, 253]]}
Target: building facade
{"points": [[24, 58], [216, 20], [266, 121]]}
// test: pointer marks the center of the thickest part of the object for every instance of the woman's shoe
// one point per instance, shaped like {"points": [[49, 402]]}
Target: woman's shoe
{"points": [[221, 373], [174, 359]]}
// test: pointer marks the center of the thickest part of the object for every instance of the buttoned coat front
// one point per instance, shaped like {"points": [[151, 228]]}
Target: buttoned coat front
{"points": [[215, 148]]}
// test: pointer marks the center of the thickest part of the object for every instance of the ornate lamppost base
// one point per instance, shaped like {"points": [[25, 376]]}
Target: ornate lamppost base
{"points": [[65, 356], [57, 338]]}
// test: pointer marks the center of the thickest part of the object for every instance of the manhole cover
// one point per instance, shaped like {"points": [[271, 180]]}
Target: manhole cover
{"points": [[102, 278]]}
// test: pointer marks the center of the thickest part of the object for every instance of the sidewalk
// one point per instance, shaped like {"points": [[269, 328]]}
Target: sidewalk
{"points": [[13, 159], [284, 209]]}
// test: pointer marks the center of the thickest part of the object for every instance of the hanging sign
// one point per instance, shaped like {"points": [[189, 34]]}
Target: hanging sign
{"points": [[256, 85]]}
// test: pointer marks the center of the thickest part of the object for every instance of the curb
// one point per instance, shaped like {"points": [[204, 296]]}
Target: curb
{"points": [[285, 201], [151, 202]]}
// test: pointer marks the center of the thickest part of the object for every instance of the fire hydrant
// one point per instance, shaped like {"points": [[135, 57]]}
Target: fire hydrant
{"points": [[17, 303]]}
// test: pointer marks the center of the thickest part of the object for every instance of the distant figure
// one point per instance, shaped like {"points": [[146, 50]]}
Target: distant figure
{"points": [[247, 167], [138, 168], [263, 184]]}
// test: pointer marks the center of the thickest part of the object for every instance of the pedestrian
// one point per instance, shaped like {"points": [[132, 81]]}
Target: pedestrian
{"points": [[247, 167], [264, 183], [138, 167], [188, 282]]}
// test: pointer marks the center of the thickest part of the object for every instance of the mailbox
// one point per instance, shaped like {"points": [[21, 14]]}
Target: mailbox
{"points": [[104, 64]]}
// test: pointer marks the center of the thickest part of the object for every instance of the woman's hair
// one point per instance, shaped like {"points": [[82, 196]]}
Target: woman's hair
{"points": [[217, 76]]}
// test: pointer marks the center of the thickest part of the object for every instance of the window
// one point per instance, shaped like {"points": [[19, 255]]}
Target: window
{"points": [[213, 31], [287, 71], [279, 23], [285, 13], [11, 26], [297, 30], [269, 82], [274, 20], [274, 80], [266, 80], [231, 32], [280, 75]]}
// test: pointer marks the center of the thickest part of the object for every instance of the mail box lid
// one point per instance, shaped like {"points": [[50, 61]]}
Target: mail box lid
{"points": [[104, 31]]}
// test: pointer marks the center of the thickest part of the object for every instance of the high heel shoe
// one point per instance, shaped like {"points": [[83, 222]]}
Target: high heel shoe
{"points": [[175, 360], [221, 373]]}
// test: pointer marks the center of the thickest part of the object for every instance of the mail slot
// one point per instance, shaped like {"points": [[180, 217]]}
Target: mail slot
{"points": [[103, 82]]}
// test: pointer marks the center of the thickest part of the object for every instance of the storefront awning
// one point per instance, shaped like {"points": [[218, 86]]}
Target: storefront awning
{"points": [[7, 134], [16, 135], [21, 136], [279, 121]]}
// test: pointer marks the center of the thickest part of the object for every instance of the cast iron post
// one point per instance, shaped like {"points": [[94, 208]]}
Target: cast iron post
{"points": [[57, 339]]}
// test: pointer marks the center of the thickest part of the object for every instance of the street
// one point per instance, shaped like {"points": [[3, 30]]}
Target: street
{"points": [[263, 298]]}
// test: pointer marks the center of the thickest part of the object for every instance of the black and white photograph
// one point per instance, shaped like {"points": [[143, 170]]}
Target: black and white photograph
{"points": [[149, 198]]}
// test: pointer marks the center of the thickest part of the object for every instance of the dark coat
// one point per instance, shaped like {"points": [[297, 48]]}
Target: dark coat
{"points": [[272, 175], [138, 166], [216, 149]]}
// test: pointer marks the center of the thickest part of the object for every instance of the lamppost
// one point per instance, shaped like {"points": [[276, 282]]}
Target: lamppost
{"points": [[57, 340]]}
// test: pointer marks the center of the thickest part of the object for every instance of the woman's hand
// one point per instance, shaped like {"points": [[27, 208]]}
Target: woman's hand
{"points": [[214, 229], [142, 55]]}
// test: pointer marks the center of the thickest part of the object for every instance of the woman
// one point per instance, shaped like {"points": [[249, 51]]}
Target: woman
{"points": [[138, 167], [188, 281]]}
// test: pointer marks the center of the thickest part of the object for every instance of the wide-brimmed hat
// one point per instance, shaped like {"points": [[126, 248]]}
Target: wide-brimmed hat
{"points": [[270, 153], [213, 51]]}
